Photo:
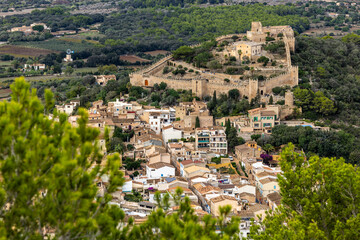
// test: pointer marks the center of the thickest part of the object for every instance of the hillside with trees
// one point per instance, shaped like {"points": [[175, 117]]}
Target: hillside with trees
{"points": [[320, 200], [183, 26], [320, 196], [331, 66]]}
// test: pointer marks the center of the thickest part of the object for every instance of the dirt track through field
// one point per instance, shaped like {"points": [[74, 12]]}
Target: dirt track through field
{"points": [[19, 51]]}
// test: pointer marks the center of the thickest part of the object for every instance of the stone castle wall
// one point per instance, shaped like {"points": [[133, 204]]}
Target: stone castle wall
{"points": [[205, 87], [200, 87], [290, 78], [207, 83]]}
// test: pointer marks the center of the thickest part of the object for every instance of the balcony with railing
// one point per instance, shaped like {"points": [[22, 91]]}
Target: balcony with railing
{"points": [[203, 135], [203, 145]]}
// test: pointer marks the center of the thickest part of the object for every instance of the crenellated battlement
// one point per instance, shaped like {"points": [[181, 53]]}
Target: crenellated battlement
{"points": [[207, 82]]}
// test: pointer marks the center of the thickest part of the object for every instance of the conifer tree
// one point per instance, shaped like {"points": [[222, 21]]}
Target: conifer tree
{"points": [[214, 100], [49, 172], [184, 223], [320, 200], [271, 100], [197, 122]]}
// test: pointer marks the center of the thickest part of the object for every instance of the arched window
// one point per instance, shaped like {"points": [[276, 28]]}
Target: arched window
{"points": [[146, 83]]}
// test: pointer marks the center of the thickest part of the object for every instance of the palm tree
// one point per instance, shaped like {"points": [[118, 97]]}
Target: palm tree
{"points": [[239, 52], [268, 148]]}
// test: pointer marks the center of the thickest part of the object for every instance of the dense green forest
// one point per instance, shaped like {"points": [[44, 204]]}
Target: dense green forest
{"points": [[182, 26], [140, 30], [55, 17], [150, 29], [322, 143], [320, 200], [87, 90], [332, 66]]}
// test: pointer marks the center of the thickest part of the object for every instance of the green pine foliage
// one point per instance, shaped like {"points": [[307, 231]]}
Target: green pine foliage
{"points": [[320, 200], [184, 223], [322, 143], [182, 26], [48, 182], [229, 104], [332, 67]]}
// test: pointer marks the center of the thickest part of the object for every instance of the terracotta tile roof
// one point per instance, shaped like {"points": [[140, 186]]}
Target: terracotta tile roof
{"points": [[243, 146], [264, 174], [167, 127], [267, 180], [244, 185], [197, 186], [244, 194], [222, 198], [187, 162], [268, 113], [160, 165], [267, 168], [205, 188], [254, 110], [258, 207], [175, 145], [136, 182], [226, 186], [181, 179], [185, 190], [94, 115], [274, 197]]}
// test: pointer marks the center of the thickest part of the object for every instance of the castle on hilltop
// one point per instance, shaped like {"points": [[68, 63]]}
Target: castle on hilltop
{"points": [[204, 83]]}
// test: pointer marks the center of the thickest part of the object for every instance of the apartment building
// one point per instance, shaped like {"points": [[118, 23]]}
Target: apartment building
{"points": [[211, 139], [264, 119]]}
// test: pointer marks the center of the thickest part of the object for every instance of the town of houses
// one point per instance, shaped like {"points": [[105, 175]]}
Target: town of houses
{"points": [[175, 153]]}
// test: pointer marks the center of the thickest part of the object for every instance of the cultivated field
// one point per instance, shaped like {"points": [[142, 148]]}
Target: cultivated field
{"points": [[40, 78], [86, 70], [5, 63], [4, 93], [25, 11], [91, 33], [60, 44], [21, 51], [323, 31], [133, 59]]}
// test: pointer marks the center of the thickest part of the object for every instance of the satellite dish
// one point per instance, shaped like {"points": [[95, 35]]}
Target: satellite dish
{"points": [[68, 51]]}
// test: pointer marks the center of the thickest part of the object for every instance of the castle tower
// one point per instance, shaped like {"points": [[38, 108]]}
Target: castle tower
{"points": [[289, 99], [253, 88], [294, 75], [198, 86], [256, 27], [256, 34]]}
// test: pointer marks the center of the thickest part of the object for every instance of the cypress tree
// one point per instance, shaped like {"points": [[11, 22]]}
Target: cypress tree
{"points": [[197, 122]]}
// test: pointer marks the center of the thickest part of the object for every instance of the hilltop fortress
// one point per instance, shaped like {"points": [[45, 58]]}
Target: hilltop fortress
{"points": [[250, 47]]}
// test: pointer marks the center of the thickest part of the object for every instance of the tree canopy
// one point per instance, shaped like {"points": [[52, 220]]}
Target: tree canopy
{"points": [[49, 172], [320, 200]]}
